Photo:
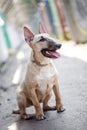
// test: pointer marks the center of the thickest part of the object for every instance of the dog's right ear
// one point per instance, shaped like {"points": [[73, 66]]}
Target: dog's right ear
{"points": [[28, 35]]}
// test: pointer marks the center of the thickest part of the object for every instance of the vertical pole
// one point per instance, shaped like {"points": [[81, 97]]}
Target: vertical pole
{"points": [[50, 17], [6, 37], [4, 30], [61, 18]]}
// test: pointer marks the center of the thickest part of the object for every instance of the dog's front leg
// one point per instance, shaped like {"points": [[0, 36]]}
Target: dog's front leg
{"points": [[39, 111], [59, 104]]}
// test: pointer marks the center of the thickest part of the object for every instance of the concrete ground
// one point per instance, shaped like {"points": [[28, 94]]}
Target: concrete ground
{"points": [[72, 68]]}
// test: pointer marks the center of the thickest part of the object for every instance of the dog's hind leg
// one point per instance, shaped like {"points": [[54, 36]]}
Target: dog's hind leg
{"points": [[46, 107], [16, 112]]}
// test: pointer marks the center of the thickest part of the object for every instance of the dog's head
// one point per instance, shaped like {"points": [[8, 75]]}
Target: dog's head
{"points": [[42, 43]]}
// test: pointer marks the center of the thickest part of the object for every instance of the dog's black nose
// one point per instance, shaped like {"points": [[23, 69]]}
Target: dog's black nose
{"points": [[54, 45], [58, 45]]}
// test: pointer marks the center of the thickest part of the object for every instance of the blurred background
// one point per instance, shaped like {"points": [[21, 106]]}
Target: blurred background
{"points": [[64, 19]]}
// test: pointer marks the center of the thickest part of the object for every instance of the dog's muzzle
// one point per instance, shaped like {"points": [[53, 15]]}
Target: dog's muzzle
{"points": [[51, 51]]}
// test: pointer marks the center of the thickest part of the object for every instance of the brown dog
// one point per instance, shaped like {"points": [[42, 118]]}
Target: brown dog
{"points": [[41, 76]]}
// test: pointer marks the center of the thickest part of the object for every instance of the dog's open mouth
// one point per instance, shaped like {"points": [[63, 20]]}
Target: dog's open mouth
{"points": [[50, 53]]}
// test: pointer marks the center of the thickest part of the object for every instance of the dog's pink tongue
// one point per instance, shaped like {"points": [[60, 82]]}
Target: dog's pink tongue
{"points": [[54, 54]]}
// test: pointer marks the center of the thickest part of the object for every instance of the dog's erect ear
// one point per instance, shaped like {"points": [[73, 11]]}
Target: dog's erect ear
{"points": [[28, 34], [42, 29]]}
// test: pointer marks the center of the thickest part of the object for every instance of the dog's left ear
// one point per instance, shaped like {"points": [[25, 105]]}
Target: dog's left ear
{"points": [[28, 34], [42, 29]]}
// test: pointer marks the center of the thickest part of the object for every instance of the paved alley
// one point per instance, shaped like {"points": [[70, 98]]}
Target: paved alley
{"points": [[72, 69]]}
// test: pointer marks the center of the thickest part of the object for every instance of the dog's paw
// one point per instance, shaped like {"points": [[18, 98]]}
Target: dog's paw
{"points": [[26, 117], [49, 108], [40, 117], [60, 109]]}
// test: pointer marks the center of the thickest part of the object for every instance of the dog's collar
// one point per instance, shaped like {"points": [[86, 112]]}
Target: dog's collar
{"points": [[37, 62]]}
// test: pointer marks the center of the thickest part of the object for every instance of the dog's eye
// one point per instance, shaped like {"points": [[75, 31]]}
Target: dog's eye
{"points": [[42, 39]]}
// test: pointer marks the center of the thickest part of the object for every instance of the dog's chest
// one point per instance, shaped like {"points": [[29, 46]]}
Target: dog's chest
{"points": [[46, 79]]}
